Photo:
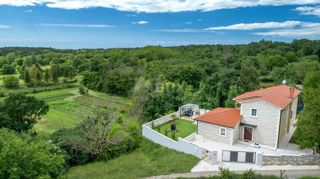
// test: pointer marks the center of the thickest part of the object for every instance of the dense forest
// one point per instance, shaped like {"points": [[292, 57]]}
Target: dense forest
{"points": [[141, 84], [159, 79]]}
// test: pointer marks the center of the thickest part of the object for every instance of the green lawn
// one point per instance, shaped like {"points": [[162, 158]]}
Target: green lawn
{"points": [[184, 128], [148, 160]]}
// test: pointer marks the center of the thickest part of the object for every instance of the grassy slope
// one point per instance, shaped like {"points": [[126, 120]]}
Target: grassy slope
{"points": [[68, 108], [184, 128], [148, 160]]}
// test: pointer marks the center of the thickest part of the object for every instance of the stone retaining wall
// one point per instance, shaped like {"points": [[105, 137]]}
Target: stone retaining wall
{"points": [[291, 160]]}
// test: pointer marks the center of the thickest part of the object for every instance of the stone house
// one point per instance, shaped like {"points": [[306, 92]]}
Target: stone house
{"points": [[265, 118]]}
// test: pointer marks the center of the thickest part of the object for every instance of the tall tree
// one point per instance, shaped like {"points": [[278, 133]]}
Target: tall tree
{"points": [[39, 76], [55, 72], [249, 78], [20, 112], [233, 92], [27, 78], [308, 125], [140, 97], [47, 75]]}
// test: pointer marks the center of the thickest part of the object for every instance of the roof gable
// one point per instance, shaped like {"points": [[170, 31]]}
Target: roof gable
{"points": [[277, 95], [228, 117]]}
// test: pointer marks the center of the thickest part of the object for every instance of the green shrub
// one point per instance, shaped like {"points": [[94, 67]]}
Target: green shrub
{"points": [[119, 120], [173, 135], [2, 94], [250, 174], [83, 90], [11, 82], [23, 156], [8, 69], [225, 173], [81, 147]]}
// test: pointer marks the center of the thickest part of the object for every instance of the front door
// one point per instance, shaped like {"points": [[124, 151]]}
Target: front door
{"points": [[247, 134]]}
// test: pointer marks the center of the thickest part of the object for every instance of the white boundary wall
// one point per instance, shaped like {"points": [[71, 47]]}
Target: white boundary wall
{"points": [[181, 145], [159, 138], [190, 148], [161, 120]]}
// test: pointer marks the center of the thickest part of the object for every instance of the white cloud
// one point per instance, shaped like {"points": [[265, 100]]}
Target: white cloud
{"points": [[3, 26], [305, 30], [79, 25], [295, 33], [254, 26], [305, 10], [179, 30], [153, 6], [140, 22], [21, 2], [292, 29], [28, 11]]}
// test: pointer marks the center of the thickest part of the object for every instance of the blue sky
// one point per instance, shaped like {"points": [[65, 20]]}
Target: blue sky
{"points": [[109, 23]]}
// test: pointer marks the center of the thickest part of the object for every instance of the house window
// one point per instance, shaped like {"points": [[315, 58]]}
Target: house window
{"points": [[222, 131], [254, 112]]}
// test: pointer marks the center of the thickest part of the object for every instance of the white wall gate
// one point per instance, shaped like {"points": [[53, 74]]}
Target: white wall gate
{"points": [[238, 156]]}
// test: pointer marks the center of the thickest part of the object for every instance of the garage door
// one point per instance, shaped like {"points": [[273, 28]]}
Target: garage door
{"points": [[238, 156]]}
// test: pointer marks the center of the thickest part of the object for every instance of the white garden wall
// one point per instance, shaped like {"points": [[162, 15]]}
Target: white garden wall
{"points": [[181, 145], [159, 138], [190, 148], [161, 120]]}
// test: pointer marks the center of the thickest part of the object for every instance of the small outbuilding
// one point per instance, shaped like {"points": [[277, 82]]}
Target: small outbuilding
{"points": [[188, 110]]}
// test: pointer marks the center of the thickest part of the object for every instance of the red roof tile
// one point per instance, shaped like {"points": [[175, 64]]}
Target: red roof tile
{"points": [[276, 95], [228, 117]]}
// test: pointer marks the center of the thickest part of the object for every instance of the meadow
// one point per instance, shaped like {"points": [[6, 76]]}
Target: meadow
{"points": [[67, 108], [149, 159]]}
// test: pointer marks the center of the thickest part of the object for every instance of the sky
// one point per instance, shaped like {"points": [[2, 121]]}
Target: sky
{"points": [[75, 24]]}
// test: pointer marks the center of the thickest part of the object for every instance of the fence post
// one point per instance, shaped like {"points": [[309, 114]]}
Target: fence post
{"points": [[214, 157]]}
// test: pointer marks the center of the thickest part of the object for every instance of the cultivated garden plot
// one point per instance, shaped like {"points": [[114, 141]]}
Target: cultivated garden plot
{"points": [[67, 108]]}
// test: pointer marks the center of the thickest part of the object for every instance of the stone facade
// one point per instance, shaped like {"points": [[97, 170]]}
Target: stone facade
{"points": [[267, 122], [291, 160], [288, 118], [211, 131]]}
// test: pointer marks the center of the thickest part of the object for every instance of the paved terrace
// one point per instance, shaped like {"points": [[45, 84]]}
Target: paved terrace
{"points": [[290, 149]]}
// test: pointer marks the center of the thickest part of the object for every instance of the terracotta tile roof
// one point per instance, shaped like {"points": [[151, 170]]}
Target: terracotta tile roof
{"points": [[276, 95], [228, 117]]}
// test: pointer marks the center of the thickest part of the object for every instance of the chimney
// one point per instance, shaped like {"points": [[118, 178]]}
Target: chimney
{"points": [[291, 92]]}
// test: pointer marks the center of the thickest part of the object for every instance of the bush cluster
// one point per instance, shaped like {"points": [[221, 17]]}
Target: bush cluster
{"points": [[79, 149], [23, 156]]}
